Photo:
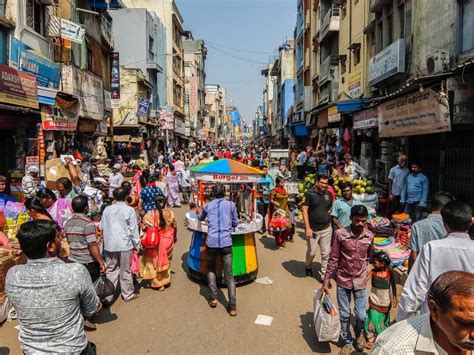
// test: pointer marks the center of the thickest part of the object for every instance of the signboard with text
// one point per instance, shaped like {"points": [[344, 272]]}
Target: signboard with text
{"points": [[389, 61], [333, 114], [365, 119], [18, 88], [115, 79], [143, 107], [54, 120], [418, 113]]}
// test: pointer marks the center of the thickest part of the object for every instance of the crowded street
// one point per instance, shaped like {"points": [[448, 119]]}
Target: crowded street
{"points": [[236, 177]]}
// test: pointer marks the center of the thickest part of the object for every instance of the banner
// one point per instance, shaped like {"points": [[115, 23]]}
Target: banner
{"points": [[54, 120], [115, 79], [418, 113], [47, 72], [143, 107], [235, 117], [211, 177], [167, 118], [18, 88], [193, 95], [364, 119]]}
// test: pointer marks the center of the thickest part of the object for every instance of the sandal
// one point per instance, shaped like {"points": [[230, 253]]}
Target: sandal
{"points": [[232, 311], [212, 302]]}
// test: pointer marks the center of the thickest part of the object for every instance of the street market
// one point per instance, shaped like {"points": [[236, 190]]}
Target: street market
{"points": [[300, 186]]}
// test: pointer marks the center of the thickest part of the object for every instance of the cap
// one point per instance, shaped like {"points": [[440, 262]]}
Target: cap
{"points": [[33, 169], [117, 166]]}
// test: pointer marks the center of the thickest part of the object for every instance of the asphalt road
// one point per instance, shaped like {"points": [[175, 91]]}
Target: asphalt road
{"points": [[179, 320]]}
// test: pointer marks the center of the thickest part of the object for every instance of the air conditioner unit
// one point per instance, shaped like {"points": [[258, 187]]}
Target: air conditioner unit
{"points": [[437, 62]]}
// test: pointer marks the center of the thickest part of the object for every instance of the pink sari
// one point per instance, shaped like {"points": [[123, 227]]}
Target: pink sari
{"points": [[155, 264]]}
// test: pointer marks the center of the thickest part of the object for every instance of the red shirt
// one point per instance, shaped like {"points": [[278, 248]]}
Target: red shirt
{"points": [[227, 155], [220, 155], [349, 258]]}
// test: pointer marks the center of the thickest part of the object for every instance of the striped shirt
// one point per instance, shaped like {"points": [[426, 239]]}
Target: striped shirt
{"points": [[80, 232]]}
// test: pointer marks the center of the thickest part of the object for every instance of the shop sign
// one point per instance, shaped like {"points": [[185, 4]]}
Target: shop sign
{"points": [[387, 62], [179, 126], [355, 87], [115, 79], [333, 115], [25, 59], [418, 113], [18, 88], [463, 88], [143, 107], [65, 29], [88, 88], [54, 120], [167, 118], [229, 178], [193, 95], [366, 118]]}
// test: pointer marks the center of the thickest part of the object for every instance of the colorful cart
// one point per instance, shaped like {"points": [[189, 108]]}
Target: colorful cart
{"points": [[240, 181]]}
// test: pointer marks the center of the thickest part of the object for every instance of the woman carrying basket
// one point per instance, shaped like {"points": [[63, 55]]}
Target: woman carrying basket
{"points": [[280, 225]]}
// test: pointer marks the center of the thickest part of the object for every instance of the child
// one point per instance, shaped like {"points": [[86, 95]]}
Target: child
{"points": [[380, 301], [294, 212]]}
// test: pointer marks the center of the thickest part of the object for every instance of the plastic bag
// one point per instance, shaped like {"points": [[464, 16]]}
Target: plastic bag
{"points": [[326, 319], [135, 263], [104, 287]]}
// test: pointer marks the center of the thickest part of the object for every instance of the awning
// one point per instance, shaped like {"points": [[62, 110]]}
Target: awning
{"points": [[301, 130], [348, 106], [47, 96], [125, 138]]}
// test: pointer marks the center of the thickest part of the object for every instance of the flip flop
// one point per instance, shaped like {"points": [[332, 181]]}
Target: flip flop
{"points": [[212, 302]]}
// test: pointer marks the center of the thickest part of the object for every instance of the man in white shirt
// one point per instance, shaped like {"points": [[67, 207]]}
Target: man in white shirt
{"points": [[115, 179], [119, 224], [447, 329], [453, 253], [301, 164]]}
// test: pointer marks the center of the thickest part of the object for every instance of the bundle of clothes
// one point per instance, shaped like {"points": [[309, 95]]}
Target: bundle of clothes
{"points": [[393, 237]]}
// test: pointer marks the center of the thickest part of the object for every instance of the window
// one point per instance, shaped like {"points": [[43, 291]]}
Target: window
{"points": [[356, 55], [151, 46], [401, 11], [343, 64], [379, 36], [390, 28], [467, 24], [35, 16]]}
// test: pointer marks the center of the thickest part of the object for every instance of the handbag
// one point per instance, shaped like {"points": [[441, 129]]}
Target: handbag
{"points": [[104, 287], [152, 235]]}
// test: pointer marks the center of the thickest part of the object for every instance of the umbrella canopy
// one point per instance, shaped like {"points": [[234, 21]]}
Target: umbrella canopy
{"points": [[226, 171]]}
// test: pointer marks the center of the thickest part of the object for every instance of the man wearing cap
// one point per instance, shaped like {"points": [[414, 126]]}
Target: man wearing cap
{"points": [[115, 179], [28, 183]]}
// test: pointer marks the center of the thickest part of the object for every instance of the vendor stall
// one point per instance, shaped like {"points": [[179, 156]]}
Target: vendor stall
{"points": [[240, 181]]}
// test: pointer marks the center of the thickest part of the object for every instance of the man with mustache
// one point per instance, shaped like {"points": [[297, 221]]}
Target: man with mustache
{"points": [[447, 329]]}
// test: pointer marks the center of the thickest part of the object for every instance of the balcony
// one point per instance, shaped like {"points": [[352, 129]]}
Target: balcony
{"points": [[377, 5], [106, 30], [330, 22], [328, 93], [329, 69]]}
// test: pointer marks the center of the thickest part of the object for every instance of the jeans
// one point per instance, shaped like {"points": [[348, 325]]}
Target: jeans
{"points": [[414, 210], [226, 255], [344, 307]]}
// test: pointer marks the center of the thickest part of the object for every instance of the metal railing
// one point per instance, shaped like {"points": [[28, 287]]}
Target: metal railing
{"points": [[334, 11]]}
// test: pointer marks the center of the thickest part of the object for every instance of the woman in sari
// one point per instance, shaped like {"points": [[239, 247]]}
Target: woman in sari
{"points": [[172, 181], [280, 224], [155, 264], [58, 208]]}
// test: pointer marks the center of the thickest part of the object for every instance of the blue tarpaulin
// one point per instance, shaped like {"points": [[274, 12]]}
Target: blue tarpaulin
{"points": [[102, 4], [300, 130], [351, 105]]}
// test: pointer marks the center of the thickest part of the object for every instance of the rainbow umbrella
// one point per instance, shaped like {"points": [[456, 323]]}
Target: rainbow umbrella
{"points": [[226, 171]]}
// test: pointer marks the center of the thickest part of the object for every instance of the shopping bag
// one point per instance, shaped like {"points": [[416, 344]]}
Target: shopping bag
{"points": [[104, 287], [135, 263], [326, 319]]}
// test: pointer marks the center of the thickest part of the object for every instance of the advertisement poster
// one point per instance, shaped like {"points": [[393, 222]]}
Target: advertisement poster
{"points": [[54, 120], [167, 118], [418, 113], [18, 88], [143, 107], [193, 95], [115, 79], [47, 72]]}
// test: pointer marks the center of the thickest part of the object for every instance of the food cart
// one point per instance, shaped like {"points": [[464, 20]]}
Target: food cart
{"points": [[240, 181]]}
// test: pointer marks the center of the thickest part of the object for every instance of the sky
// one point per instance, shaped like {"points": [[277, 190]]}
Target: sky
{"points": [[251, 30]]}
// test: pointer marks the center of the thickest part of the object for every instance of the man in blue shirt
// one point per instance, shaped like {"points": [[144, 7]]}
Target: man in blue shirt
{"points": [[341, 208], [397, 180], [415, 194], [221, 217]]}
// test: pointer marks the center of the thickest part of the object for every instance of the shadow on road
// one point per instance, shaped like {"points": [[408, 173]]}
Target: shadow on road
{"points": [[297, 268], [268, 242], [105, 316], [4, 350], [309, 334]]}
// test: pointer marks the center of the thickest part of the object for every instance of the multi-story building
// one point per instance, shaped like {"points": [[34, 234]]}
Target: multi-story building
{"points": [[215, 108], [195, 54], [169, 14], [68, 76], [139, 40]]}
